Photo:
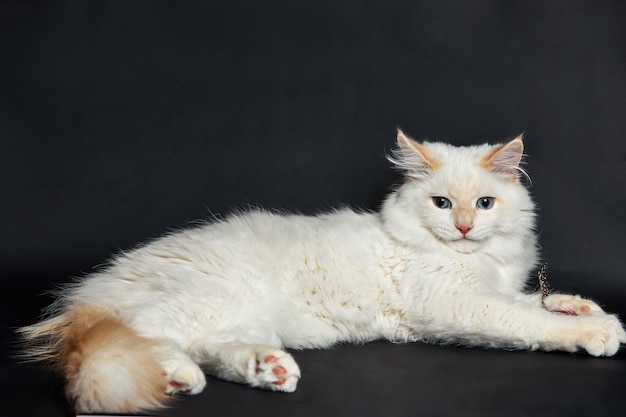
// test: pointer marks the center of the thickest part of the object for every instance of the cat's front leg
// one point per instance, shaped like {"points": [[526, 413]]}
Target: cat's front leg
{"points": [[498, 321]]}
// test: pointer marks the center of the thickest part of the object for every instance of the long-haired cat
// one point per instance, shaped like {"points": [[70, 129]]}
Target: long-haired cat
{"points": [[446, 259]]}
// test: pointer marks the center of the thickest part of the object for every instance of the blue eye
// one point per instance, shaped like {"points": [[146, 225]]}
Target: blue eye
{"points": [[442, 202], [485, 203]]}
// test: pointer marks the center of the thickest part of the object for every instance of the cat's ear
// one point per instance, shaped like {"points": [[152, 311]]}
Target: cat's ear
{"points": [[412, 157], [505, 159]]}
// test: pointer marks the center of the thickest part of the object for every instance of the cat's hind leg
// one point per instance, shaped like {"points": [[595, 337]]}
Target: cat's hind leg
{"points": [[256, 365], [572, 305], [182, 374]]}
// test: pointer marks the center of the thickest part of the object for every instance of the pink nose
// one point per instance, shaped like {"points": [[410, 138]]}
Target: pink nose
{"points": [[464, 229]]}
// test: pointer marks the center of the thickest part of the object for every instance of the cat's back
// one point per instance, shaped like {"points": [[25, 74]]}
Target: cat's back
{"points": [[260, 232], [253, 246]]}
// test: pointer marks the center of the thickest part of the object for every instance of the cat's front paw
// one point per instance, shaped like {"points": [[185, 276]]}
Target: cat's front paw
{"points": [[275, 370], [572, 305], [601, 335]]}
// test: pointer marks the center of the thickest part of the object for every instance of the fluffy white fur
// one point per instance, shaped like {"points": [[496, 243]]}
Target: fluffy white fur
{"points": [[226, 298]]}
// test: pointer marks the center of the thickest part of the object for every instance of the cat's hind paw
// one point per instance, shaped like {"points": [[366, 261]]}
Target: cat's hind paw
{"points": [[571, 305], [187, 379], [275, 370]]}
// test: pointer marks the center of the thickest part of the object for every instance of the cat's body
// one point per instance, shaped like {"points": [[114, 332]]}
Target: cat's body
{"points": [[446, 259]]}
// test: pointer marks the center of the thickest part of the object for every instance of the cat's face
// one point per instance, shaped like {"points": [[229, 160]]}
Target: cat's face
{"points": [[460, 197], [462, 209]]}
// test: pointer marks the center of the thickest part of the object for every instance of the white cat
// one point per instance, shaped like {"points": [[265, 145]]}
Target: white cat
{"points": [[446, 259]]}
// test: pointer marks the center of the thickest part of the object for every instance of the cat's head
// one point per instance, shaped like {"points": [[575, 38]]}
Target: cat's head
{"points": [[466, 198]]}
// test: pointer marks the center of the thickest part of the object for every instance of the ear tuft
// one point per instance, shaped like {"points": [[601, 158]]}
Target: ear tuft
{"points": [[412, 157], [505, 159]]}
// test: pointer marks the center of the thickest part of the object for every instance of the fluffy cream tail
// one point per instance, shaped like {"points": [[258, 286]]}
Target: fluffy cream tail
{"points": [[108, 367]]}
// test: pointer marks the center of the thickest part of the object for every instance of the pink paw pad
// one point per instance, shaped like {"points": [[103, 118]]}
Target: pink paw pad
{"points": [[180, 387], [279, 370], [279, 381], [276, 370]]}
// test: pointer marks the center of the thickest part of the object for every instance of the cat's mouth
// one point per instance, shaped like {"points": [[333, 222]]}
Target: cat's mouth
{"points": [[464, 244], [464, 238]]}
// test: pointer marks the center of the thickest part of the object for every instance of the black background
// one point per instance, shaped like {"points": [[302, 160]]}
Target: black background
{"points": [[121, 121]]}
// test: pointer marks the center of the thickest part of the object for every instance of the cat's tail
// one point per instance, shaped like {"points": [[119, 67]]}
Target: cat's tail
{"points": [[108, 366]]}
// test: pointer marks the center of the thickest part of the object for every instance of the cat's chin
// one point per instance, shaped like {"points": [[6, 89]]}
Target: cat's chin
{"points": [[464, 245]]}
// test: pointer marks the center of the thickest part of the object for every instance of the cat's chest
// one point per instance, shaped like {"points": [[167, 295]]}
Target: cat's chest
{"points": [[432, 273]]}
